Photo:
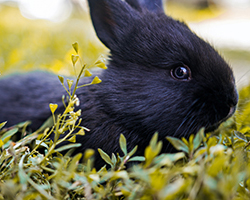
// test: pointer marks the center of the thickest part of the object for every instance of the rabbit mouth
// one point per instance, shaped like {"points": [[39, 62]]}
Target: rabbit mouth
{"points": [[230, 114], [216, 125], [212, 128]]}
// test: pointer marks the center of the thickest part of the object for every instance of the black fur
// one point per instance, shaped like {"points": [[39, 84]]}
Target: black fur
{"points": [[138, 95]]}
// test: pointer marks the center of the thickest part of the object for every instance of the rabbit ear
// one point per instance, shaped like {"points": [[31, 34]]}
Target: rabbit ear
{"points": [[155, 6], [111, 19]]}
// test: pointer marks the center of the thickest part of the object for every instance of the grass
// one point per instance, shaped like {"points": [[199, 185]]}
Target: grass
{"points": [[30, 45]]}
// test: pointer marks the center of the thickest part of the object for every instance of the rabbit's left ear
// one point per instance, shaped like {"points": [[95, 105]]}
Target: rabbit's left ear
{"points": [[111, 20], [155, 6]]}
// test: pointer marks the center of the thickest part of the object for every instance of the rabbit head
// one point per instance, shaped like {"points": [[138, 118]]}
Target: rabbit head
{"points": [[162, 76]]}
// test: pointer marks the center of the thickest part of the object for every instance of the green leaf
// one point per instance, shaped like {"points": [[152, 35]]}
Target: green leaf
{"points": [[153, 141], [153, 149], [158, 148], [75, 46], [23, 124], [176, 156], [123, 144], [101, 59], [96, 80], [61, 78], [88, 153], [1, 143], [2, 124], [8, 134], [101, 65], [185, 140], [47, 124], [131, 153], [53, 107], [74, 58], [137, 158], [114, 160], [178, 144], [42, 144], [68, 146], [149, 154], [105, 157], [23, 178], [72, 139], [155, 145], [70, 83], [73, 164], [87, 73], [240, 136], [81, 132], [198, 138]]}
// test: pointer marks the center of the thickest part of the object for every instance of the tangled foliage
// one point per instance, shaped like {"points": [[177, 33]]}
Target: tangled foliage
{"points": [[211, 166]]}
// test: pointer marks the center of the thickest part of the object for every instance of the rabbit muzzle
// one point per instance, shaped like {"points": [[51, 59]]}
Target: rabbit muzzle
{"points": [[231, 107]]}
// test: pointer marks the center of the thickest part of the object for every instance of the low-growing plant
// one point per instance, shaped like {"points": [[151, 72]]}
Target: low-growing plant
{"points": [[208, 166]]}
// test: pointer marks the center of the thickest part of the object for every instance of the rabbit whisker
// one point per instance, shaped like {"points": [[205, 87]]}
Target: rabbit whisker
{"points": [[187, 118]]}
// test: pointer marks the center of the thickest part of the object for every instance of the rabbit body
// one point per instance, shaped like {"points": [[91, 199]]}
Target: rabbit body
{"points": [[160, 77]]}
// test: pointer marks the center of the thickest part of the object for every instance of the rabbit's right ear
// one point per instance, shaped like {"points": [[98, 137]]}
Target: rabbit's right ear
{"points": [[111, 19]]}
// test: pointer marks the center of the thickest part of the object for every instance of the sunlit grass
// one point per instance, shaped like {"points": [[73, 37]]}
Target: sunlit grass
{"points": [[37, 44]]}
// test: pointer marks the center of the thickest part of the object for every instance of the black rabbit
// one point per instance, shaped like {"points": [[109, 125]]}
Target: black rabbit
{"points": [[161, 77]]}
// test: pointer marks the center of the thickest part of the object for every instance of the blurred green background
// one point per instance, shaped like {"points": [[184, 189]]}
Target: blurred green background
{"points": [[32, 38]]}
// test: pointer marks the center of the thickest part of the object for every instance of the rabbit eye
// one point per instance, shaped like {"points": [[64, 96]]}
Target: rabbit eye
{"points": [[181, 73]]}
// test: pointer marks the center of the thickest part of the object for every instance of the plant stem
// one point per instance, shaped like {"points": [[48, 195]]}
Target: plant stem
{"points": [[77, 81]]}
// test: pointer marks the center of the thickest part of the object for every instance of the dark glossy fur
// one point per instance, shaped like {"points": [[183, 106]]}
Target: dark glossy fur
{"points": [[138, 95]]}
